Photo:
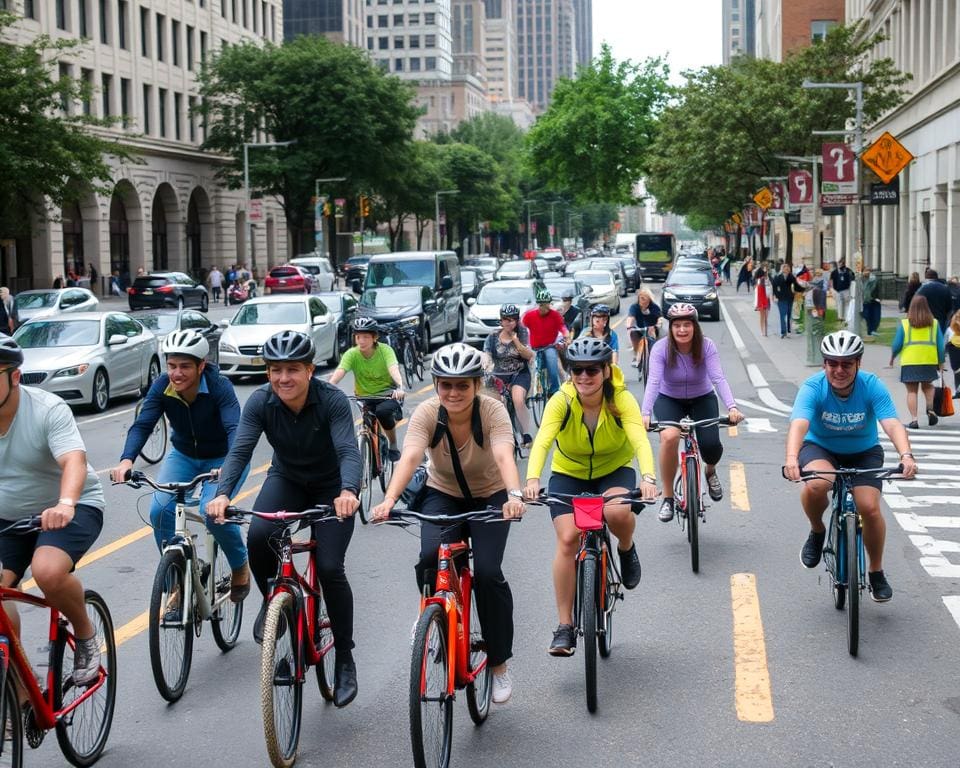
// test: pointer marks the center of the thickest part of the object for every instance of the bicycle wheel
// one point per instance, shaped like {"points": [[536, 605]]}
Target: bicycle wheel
{"points": [[11, 753], [539, 398], [323, 640], [156, 445], [418, 357], [480, 691], [170, 637], [644, 367], [386, 465], [226, 620], [431, 708], [281, 693], [610, 595], [588, 625], [853, 583], [832, 558], [409, 363], [691, 491], [83, 733], [366, 472]]}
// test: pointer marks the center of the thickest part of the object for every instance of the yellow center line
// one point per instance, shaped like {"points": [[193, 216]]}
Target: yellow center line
{"points": [[732, 431], [752, 678], [131, 628], [617, 324], [738, 487], [425, 389]]}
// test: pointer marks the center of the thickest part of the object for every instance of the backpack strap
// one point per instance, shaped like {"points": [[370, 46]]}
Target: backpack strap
{"points": [[476, 426], [444, 429]]}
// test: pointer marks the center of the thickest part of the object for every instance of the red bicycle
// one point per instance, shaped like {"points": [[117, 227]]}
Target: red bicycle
{"points": [[81, 714], [297, 635]]}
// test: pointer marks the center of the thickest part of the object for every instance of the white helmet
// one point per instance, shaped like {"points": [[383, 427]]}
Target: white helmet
{"points": [[457, 361], [188, 343], [841, 344]]}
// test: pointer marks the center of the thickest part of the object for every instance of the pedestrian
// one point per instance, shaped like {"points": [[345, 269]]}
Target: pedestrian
{"points": [[215, 279], [93, 275], [115, 288], [871, 301], [840, 280], [919, 343], [6, 299], [952, 337], [953, 285], [783, 285], [141, 272], [761, 302], [912, 285], [937, 295], [6, 324], [58, 282], [725, 266], [745, 275]]}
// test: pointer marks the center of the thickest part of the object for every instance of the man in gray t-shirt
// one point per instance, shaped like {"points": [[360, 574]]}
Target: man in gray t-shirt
{"points": [[44, 473]]}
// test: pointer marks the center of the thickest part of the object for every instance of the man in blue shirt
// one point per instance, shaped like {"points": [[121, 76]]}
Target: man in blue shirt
{"points": [[834, 424]]}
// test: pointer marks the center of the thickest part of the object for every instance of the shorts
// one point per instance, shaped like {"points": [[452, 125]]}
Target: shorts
{"points": [[625, 477], [872, 458], [16, 549], [519, 378]]}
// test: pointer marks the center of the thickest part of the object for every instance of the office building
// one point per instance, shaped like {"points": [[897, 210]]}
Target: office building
{"points": [[739, 17], [338, 20], [500, 49], [583, 11], [546, 44], [782, 27]]}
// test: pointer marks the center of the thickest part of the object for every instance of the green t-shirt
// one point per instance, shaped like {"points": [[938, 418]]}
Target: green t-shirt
{"points": [[371, 375]]}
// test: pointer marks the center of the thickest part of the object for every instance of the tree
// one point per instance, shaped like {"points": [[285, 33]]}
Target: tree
{"points": [[44, 151], [409, 190], [593, 139], [480, 196]]}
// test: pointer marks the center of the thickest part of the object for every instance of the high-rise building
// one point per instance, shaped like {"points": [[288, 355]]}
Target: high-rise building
{"points": [[167, 211], [500, 49], [339, 20], [546, 43], [583, 10], [739, 17], [782, 27]]}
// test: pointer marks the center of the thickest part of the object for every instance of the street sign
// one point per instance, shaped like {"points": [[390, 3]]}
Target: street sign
{"points": [[838, 199], [885, 194], [737, 219], [763, 197], [339, 203], [533, 227], [550, 229], [318, 214], [886, 157], [800, 186], [776, 189], [839, 169], [255, 210]]}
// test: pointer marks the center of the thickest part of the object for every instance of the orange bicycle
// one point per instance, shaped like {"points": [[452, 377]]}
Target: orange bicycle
{"points": [[374, 450]]}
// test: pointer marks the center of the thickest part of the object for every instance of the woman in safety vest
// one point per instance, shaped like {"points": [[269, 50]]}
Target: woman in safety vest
{"points": [[919, 342]]}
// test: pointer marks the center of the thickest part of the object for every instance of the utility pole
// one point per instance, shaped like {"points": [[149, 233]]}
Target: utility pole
{"points": [[436, 200], [318, 217], [527, 203]]}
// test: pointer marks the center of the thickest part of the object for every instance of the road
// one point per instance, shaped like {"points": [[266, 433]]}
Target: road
{"points": [[743, 664]]}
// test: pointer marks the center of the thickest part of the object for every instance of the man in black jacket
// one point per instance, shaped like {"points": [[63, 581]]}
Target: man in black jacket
{"points": [[840, 279], [938, 297], [784, 284]]}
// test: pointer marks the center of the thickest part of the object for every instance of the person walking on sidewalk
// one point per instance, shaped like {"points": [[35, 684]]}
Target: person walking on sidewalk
{"points": [[871, 301], [745, 275], [841, 279], [215, 279], [937, 295], [919, 343], [952, 337], [783, 285], [761, 302], [912, 285]]}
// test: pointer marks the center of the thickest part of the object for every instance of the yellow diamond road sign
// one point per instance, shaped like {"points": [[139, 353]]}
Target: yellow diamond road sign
{"points": [[763, 198], [886, 157]]}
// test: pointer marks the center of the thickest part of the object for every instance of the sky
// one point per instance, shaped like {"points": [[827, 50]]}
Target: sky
{"points": [[687, 32]]}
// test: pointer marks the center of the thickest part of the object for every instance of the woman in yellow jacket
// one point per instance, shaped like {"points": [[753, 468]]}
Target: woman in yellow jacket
{"points": [[598, 428], [919, 343]]}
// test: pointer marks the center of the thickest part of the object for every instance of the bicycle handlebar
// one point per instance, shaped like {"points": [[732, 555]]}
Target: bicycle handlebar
{"points": [[487, 515], [630, 497], [319, 513], [23, 526], [135, 479], [883, 473], [686, 425]]}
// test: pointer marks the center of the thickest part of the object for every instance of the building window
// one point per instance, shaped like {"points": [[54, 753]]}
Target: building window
{"points": [[192, 118], [819, 29], [189, 48], [430, 41], [175, 42], [162, 111], [104, 22], [161, 23], [203, 47], [106, 88], [414, 41], [398, 65], [233, 11], [383, 43], [429, 18], [61, 13], [383, 21], [415, 64], [87, 76], [414, 19], [273, 24], [84, 28], [144, 31], [398, 42], [398, 19], [243, 9], [223, 8], [29, 9], [125, 101], [123, 16], [369, 22], [64, 70], [177, 113], [430, 63], [147, 108], [369, 43]]}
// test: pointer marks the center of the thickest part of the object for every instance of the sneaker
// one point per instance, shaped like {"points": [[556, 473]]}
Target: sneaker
{"points": [[913, 425], [86, 661], [564, 641], [258, 623], [394, 454], [666, 510], [714, 488], [956, 394], [880, 590], [812, 549], [171, 612], [630, 567], [502, 687], [932, 418], [635, 363], [527, 440]]}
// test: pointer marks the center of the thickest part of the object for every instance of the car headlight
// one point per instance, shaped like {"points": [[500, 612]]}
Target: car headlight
{"points": [[710, 295], [229, 348], [669, 295], [76, 370], [410, 322]]}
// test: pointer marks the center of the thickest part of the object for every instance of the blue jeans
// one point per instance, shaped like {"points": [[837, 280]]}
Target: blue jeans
{"points": [[786, 309], [179, 468], [553, 370]]}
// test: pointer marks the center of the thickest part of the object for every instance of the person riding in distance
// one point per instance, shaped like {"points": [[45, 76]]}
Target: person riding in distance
{"points": [[643, 317], [598, 430], [202, 408], [834, 424], [546, 328], [684, 372], [507, 351], [570, 312], [376, 373], [315, 461], [599, 328], [478, 428]]}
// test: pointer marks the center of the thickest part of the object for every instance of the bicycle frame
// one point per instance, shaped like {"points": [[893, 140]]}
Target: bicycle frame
{"points": [[690, 448], [597, 545], [843, 506]]}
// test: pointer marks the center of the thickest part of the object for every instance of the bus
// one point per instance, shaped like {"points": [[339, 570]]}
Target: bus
{"points": [[655, 254]]}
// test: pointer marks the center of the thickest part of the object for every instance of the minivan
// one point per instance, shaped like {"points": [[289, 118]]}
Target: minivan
{"points": [[436, 273]]}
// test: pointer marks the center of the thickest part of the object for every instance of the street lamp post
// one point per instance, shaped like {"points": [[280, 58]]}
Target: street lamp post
{"points": [[318, 211], [527, 203], [553, 227], [436, 201], [248, 225], [782, 210]]}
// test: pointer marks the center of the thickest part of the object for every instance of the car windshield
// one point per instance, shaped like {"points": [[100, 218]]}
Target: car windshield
{"points": [[557, 287], [498, 294], [690, 278], [58, 333], [35, 300], [654, 243], [158, 323], [271, 313], [361, 261], [313, 269], [150, 281], [331, 300], [484, 262], [392, 297], [515, 267], [284, 272], [468, 279], [595, 278], [384, 274]]}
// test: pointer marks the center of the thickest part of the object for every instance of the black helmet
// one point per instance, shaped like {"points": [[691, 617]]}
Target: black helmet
{"points": [[365, 325], [10, 353], [510, 310], [601, 310], [589, 349], [289, 347]]}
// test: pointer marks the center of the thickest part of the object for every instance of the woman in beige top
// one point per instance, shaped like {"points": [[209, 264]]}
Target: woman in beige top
{"points": [[481, 431]]}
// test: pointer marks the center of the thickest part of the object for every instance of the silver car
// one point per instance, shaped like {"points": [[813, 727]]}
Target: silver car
{"points": [[603, 288], [241, 345], [89, 358], [484, 314], [29, 305]]}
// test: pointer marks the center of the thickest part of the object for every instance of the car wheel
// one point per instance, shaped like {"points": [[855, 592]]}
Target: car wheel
{"points": [[153, 373], [204, 302], [425, 339], [457, 333], [180, 303], [101, 391], [334, 359]]}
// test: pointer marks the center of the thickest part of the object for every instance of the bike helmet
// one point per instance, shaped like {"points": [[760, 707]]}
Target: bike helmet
{"points": [[841, 344], [544, 296], [589, 349], [187, 344], [683, 311], [600, 309], [365, 325], [568, 294], [510, 310], [457, 361], [10, 353], [289, 347]]}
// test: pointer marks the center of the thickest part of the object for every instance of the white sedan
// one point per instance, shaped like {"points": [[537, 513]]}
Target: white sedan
{"points": [[603, 288], [241, 345], [46, 302], [484, 314]]}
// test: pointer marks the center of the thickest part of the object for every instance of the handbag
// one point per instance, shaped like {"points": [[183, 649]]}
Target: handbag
{"points": [[942, 399]]}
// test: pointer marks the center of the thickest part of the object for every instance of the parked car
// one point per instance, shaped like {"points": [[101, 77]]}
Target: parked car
{"points": [[471, 281], [343, 308], [355, 270], [692, 287], [523, 269], [89, 358], [484, 313], [161, 322], [167, 289], [631, 270], [603, 288], [318, 266], [289, 278], [30, 305], [553, 257], [488, 265], [241, 344]]}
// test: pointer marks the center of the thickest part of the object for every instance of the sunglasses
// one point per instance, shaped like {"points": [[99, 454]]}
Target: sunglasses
{"points": [[590, 370], [846, 365]]}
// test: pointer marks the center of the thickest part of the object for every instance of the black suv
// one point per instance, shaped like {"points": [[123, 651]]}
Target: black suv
{"points": [[167, 289]]}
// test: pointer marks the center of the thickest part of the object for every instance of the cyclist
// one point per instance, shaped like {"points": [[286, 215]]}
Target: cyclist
{"points": [[683, 375], [482, 472], [598, 430], [571, 314], [643, 317], [315, 461], [547, 333], [376, 373], [600, 329], [44, 470], [202, 408], [834, 424], [507, 351]]}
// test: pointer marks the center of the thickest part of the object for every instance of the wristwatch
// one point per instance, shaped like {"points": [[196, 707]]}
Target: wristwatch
{"points": [[649, 479], [516, 493], [67, 502]]}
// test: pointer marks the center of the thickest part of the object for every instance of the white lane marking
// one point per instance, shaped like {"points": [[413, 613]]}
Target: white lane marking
{"points": [[757, 424], [953, 605], [734, 333], [773, 401], [756, 378], [763, 409], [111, 415], [926, 522]]}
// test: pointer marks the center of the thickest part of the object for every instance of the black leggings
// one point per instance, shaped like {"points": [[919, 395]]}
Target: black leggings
{"points": [[488, 540], [954, 354], [703, 407], [332, 538]]}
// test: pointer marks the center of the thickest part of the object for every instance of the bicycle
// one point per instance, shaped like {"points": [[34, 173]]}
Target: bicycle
{"points": [[156, 446], [403, 340], [538, 396], [186, 592], [843, 552], [449, 653], [80, 714], [643, 355], [598, 578], [502, 386], [687, 488], [374, 450], [297, 635]]}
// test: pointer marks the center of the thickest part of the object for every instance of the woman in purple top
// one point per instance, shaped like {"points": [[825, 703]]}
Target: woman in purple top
{"points": [[683, 375]]}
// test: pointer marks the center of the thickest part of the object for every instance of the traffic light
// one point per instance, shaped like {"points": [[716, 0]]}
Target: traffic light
{"points": [[364, 206], [328, 209]]}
